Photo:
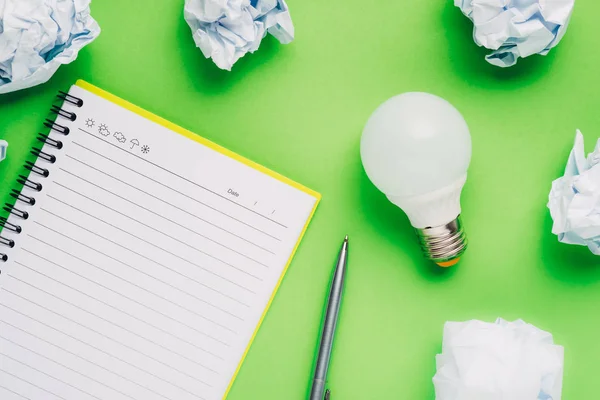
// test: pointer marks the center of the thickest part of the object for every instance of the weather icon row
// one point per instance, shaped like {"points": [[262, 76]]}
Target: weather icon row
{"points": [[132, 144]]}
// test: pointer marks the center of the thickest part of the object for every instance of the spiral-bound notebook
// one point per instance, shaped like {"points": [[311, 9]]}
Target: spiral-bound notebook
{"points": [[139, 259]]}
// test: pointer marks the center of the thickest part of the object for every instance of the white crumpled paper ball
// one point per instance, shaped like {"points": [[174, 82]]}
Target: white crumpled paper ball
{"points": [[225, 30], [574, 200], [517, 28], [3, 147], [38, 36], [498, 361]]}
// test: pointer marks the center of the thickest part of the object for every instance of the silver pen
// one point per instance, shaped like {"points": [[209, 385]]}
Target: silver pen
{"points": [[318, 391]]}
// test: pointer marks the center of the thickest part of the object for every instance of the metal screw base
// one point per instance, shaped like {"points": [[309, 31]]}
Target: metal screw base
{"points": [[443, 243]]}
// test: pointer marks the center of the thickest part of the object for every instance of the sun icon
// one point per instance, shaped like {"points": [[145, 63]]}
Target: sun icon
{"points": [[90, 123], [145, 149]]}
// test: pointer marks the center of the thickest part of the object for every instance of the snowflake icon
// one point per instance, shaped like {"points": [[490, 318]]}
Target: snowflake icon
{"points": [[90, 123], [145, 149], [103, 130]]}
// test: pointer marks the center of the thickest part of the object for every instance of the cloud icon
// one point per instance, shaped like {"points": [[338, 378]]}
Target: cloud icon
{"points": [[120, 137]]}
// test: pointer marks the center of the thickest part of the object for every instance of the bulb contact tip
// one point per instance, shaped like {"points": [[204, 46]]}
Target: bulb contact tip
{"points": [[448, 264], [443, 244]]}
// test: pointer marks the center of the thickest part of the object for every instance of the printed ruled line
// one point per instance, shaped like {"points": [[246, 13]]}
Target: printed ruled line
{"points": [[114, 291], [13, 392], [144, 257], [109, 322], [158, 280], [127, 265], [129, 282], [32, 384], [166, 235], [200, 251], [93, 347], [174, 206], [50, 376], [158, 247], [106, 337], [185, 179], [81, 358], [66, 367], [148, 226], [158, 215], [142, 272], [121, 311]]}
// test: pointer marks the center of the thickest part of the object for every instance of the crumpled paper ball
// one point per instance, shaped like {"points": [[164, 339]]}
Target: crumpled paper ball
{"points": [[3, 147], [225, 30], [517, 28], [498, 361], [38, 36], [574, 200]]}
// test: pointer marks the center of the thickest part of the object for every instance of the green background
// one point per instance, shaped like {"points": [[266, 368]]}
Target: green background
{"points": [[299, 109]]}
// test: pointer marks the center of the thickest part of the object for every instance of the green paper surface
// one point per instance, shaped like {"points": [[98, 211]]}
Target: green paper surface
{"points": [[300, 109]]}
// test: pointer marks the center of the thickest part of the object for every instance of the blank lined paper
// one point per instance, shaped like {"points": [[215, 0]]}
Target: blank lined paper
{"points": [[145, 265]]}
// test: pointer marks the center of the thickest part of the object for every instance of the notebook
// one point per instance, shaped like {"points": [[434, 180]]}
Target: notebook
{"points": [[139, 259]]}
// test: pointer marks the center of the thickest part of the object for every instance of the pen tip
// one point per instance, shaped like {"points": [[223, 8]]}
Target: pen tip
{"points": [[346, 238]]}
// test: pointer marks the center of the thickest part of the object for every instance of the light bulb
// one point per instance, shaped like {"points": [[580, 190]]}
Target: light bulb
{"points": [[416, 149]]}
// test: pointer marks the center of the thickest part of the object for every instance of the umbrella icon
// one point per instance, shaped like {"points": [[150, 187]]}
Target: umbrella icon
{"points": [[134, 142]]}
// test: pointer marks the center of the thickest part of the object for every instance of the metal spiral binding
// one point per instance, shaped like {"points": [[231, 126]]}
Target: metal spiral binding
{"points": [[33, 168], [57, 127], [51, 158], [10, 208], [7, 242], [76, 101], [44, 138], [10, 226], [63, 113], [37, 170], [23, 180], [21, 197]]}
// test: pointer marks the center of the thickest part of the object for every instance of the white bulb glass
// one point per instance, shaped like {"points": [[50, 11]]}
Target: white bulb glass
{"points": [[416, 148]]}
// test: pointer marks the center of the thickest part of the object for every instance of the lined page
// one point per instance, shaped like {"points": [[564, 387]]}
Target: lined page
{"points": [[145, 265]]}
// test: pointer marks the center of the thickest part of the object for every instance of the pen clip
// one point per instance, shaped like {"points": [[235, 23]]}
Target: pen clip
{"points": [[327, 394]]}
